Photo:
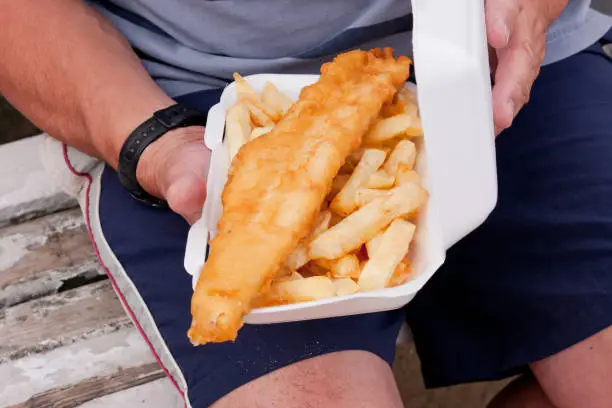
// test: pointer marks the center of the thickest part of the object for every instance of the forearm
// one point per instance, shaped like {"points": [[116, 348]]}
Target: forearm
{"points": [[73, 75]]}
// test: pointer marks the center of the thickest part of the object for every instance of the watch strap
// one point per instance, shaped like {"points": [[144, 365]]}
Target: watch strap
{"points": [[162, 121]]}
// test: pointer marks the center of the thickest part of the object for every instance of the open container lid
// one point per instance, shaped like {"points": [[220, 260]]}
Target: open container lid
{"points": [[453, 78]]}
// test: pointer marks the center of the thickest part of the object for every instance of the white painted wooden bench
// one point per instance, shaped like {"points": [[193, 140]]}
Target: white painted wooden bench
{"points": [[65, 340]]}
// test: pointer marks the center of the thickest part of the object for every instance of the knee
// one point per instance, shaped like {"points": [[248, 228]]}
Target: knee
{"points": [[339, 380]]}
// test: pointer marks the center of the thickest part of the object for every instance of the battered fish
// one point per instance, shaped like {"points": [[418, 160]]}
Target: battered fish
{"points": [[278, 182]]}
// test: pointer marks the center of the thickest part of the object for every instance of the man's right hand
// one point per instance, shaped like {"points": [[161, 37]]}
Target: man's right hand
{"points": [[175, 168]]}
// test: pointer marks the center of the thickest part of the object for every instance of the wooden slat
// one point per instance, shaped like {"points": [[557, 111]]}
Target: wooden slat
{"points": [[72, 396], [156, 394], [38, 256], [85, 359], [57, 320]]}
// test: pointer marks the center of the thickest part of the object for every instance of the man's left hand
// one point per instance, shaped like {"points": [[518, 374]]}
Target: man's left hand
{"points": [[516, 31]]}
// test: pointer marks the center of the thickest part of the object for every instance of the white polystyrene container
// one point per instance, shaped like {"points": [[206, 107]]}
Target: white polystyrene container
{"points": [[457, 163]]}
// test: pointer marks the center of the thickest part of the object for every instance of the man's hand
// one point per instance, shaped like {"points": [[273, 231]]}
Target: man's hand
{"points": [[175, 168], [516, 30]]}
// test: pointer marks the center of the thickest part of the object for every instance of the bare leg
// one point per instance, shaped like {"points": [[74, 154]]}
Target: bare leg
{"points": [[348, 379], [578, 377]]}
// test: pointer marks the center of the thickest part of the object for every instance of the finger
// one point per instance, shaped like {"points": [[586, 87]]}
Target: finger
{"points": [[519, 65], [517, 69], [500, 17], [511, 80], [186, 196]]}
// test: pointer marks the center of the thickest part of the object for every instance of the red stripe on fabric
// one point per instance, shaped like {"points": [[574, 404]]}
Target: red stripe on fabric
{"points": [[110, 277]]}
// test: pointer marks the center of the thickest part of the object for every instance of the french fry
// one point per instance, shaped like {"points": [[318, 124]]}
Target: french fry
{"points": [[389, 128], [364, 196], [416, 129], [413, 111], [259, 110], [345, 201], [404, 153], [322, 223], [299, 257], [402, 274], [407, 96], [373, 244], [301, 290], [345, 286], [390, 251], [362, 225], [292, 276], [406, 175], [237, 128], [344, 267], [272, 97], [409, 100], [380, 179], [260, 131], [243, 89], [258, 115]]}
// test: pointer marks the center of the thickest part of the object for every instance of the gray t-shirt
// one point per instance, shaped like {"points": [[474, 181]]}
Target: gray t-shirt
{"points": [[190, 45]]}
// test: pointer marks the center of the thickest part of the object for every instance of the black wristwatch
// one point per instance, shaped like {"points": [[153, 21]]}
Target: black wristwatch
{"points": [[162, 121]]}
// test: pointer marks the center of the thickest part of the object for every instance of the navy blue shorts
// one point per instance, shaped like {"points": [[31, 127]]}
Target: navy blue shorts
{"points": [[533, 280]]}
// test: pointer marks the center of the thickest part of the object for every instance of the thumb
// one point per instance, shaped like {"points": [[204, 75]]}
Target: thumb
{"points": [[186, 196]]}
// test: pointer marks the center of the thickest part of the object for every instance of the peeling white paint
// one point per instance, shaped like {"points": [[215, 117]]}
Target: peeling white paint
{"points": [[14, 247], [65, 222], [94, 357], [156, 394]]}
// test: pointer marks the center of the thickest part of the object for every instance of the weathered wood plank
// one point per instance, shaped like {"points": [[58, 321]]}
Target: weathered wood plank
{"points": [[72, 396], [156, 394], [38, 256], [93, 357], [53, 321], [28, 192]]}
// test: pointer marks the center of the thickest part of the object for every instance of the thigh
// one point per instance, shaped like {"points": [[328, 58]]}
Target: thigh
{"points": [[536, 277], [580, 375], [143, 250]]}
